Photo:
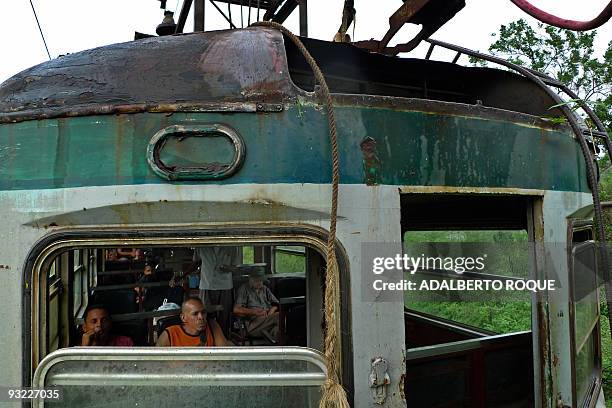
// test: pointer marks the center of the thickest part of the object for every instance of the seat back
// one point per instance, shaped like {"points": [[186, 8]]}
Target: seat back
{"points": [[290, 287], [116, 301]]}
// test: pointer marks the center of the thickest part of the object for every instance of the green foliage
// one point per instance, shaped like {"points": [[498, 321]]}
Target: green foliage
{"points": [[285, 262], [288, 263], [498, 317], [606, 352], [562, 54], [569, 57], [248, 255], [507, 255]]}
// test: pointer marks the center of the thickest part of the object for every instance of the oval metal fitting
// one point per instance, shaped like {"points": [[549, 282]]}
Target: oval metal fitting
{"points": [[211, 170]]}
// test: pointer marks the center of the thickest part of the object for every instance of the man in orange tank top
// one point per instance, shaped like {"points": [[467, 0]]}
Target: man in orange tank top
{"points": [[195, 331]]}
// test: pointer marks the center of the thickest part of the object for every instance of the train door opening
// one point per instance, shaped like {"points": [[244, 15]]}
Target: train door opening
{"points": [[474, 347], [141, 283]]}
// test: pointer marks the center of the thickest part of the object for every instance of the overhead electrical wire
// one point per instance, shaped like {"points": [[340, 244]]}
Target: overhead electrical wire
{"points": [[40, 29]]}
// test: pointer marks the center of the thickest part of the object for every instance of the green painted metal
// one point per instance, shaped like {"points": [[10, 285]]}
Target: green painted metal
{"points": [[408, 148]]}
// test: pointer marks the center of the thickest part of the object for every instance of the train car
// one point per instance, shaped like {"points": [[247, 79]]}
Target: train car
{"points": [[220, 139]]}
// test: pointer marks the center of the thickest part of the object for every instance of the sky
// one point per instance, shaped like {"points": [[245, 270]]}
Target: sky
{"points": [[74, 25]]}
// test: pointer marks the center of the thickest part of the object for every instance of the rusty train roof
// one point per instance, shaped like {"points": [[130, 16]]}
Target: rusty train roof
{"points": [[222, 66], [245, 70]]}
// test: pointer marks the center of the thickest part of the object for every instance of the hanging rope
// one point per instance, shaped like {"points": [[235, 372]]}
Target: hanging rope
{"points": [[334, 396]]}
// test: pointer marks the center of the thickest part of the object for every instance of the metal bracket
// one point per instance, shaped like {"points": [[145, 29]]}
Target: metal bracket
{"points": [[379, 380]]}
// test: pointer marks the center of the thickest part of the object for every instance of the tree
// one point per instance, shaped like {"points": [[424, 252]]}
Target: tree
{"points": [[569, 57], [562, 54]]}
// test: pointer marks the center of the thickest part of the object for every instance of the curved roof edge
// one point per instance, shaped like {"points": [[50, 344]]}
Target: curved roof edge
{"points": [[233, 66]]}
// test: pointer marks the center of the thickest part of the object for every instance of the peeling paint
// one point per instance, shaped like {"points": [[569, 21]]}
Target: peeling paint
{"points": [[371, 162]]}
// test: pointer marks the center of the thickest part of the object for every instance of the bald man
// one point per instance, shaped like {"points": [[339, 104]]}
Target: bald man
{"points": [[195, 330]]}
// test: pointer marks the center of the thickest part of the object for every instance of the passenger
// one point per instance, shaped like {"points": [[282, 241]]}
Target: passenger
{"points": [[216, 282], [111, 255], [195, 330], [97, 329], [148, 276], [256, 301]]}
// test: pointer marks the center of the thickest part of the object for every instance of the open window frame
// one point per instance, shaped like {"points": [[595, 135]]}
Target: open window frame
{"points": [[45, 251]]}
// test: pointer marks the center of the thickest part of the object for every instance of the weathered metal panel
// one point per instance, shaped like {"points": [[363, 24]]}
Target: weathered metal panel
{"points": [[222, 66], [420, 147]]}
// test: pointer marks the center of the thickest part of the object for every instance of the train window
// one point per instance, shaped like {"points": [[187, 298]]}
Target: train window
{"points": [[585, 323], [137, 289], [137, 286]]}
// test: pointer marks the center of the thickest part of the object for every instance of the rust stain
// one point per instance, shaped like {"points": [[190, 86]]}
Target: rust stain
{"points": [[465, 190], [371, 162], [401, 386]]}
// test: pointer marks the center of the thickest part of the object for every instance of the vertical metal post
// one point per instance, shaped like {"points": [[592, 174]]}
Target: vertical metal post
{"points": [[180, 25], [263, 254], [303, 18], [198, 15]]}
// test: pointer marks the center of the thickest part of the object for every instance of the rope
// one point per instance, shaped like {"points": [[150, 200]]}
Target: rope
{"points": [[334, 396]]}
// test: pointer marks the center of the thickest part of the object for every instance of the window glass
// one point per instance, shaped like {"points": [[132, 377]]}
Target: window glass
{"points": [[192, 378], [585, 367], [53, 269], [586, 315], [54, 329]]}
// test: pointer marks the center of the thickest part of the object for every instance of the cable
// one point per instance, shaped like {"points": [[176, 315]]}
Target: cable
{"points": [[40, 29], [550, 19], [229, 13]]}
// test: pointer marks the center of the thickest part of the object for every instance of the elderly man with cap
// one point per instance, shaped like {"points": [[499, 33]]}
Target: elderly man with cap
{"points": [[255, 301]]}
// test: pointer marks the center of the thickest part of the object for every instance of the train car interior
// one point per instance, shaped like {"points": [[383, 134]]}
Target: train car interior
{"points": [[142, 289]]}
